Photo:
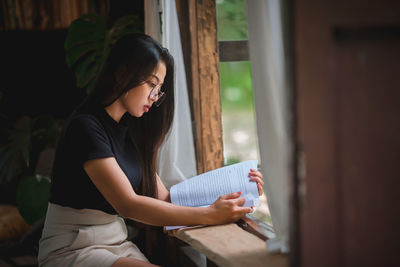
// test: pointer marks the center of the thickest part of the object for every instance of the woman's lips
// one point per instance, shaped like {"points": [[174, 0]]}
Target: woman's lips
{"points": [[146, 108]]}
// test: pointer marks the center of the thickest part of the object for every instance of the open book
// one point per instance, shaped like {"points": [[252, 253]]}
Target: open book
{"points": [[204, 189]]}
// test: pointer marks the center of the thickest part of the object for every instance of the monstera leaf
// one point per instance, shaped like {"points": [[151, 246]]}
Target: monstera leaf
{"points": [[32, 197], [15, 152], [24, 142], [89, 42]]}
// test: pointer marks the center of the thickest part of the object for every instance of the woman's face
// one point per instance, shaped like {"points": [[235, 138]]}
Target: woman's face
{"points": [[137, 100]]}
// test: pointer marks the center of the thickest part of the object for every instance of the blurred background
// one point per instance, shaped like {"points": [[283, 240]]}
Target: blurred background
{"points": [[344, 85]]}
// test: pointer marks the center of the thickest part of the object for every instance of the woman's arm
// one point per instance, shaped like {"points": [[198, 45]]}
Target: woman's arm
{"points": [[163, 193], [116, 188]]}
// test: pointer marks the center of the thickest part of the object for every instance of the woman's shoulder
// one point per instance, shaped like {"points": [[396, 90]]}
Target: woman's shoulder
{"points": [[84, 121], [84, 117]]}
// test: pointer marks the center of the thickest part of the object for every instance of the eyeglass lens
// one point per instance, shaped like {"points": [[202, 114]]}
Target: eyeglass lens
{"points": [[157, 94]]}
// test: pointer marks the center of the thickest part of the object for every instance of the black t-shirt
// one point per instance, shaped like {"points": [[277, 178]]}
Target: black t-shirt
{"points": [[86, 136]]}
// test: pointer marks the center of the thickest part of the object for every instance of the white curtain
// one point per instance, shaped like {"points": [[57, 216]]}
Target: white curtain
{"points": [[267, 56], [177, 157]]}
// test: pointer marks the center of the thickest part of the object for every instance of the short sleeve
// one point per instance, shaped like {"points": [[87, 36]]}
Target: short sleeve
{"points": [[87, 139]]}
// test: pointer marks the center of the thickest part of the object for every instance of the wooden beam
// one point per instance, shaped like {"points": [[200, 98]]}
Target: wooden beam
{"points": [[202, 67], [233, 51], [182, 8]]}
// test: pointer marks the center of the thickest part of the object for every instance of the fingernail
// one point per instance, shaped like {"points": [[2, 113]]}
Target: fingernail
{"points": [[239, 193]]}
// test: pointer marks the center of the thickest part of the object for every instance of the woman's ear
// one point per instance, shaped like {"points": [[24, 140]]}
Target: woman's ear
{"points": [[126, 94]]}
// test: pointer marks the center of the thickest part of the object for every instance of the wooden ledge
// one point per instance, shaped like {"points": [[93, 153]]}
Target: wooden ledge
{"points": [[257, 227], [229, 245]]}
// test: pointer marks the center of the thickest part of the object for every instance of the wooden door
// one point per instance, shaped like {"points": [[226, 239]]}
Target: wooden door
{"points": [[347, 83]]}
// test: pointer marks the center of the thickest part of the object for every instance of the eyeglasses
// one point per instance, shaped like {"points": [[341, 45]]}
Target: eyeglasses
{"points": [[156, 94]]}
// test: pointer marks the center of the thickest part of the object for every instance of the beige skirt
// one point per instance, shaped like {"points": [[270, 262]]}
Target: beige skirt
{"points": [[86, 237]]}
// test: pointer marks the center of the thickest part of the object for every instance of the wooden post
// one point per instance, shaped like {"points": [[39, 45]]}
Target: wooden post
{"points": [[202, 64]]}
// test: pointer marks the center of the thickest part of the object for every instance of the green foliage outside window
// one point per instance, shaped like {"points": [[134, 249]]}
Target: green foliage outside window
{"points": [[236, 86], [231, 20], [236, 89]]}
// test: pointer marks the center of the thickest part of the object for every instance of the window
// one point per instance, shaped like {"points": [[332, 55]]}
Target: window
{"points": [[238, 114]]}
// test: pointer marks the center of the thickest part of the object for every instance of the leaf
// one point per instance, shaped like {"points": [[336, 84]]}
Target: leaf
{"points": [[122, 33], [127, 21], [52, 134], [86, 70], [20, 139], [16, 148], [3, 155], [77, 52], [90, 28], [4, 163], [10, 172], [32, 198], [84, 46], [90, 86], [89, 42], [125, 25]]}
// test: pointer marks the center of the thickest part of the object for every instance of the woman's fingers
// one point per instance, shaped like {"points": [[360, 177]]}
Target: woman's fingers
{"points": [[256, 173], [229, 208], [260, 189], [239, 210], [256, 176], [240, 201], [257, 179], [231, 195], [243, 211], [260, 184]]}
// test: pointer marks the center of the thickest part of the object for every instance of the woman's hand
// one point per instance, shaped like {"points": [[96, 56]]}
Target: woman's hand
{"points": [[228, 208], [256, 176]]}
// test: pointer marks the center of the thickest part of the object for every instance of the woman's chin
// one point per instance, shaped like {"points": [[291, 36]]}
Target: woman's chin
{"points": [[137, 114]]}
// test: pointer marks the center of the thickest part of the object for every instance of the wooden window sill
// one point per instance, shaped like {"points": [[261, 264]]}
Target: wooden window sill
{"points": [[230, 245]]}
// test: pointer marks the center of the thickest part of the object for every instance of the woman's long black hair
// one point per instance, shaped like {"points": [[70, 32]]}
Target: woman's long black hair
{"points": [[132, 60]]}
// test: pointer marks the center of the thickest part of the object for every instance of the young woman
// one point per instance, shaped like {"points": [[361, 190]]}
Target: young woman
{"points": [[105, 165]]}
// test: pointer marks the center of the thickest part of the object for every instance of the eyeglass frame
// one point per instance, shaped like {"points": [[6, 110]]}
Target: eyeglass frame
{"points": [[158, 96]]}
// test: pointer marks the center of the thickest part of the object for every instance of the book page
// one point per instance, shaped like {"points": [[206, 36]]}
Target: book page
{"points": [[206, 188]]}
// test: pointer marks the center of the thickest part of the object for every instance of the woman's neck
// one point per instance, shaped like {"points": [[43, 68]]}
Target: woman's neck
{"points": [[115, 110]]}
